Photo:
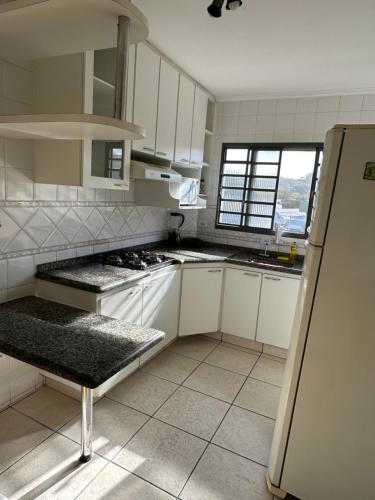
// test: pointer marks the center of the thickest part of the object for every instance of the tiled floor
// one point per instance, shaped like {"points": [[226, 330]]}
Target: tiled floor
{"points": [[195, 423]]}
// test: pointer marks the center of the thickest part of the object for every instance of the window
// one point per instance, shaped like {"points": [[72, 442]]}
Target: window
{"points": [[266, 184], [114, 160]]}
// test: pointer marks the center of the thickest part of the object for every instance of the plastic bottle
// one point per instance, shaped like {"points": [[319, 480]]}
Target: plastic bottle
{"points": [[293, 252]]}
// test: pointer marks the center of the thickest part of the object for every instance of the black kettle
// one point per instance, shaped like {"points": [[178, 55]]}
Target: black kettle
{"points": [[174, 236]]}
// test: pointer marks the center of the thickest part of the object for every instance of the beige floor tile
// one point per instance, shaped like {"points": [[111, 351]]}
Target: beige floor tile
{"points": [[232, 359], [260, 397], [115, 483], [222, 475], [143, 391], [193, 412], [275, 351], [163, 455], [49, 407], [193, 346], [18, 435], [113, 425], [215, 382], [171, 366], [269, 370], [247, 434], [50, 471]]}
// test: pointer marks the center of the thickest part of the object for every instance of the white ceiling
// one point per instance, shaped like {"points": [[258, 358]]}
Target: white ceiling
{"points": [[269, 48]]}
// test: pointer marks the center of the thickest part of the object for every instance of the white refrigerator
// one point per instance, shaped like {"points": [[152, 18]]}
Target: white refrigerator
{"points": [[324, 441]]}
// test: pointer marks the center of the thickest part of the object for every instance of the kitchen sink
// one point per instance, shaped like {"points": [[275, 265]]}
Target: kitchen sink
{"points": [[270, 261]]}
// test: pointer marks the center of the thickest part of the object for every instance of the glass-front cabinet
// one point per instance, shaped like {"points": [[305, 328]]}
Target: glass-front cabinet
{"points": [[90, 163]]}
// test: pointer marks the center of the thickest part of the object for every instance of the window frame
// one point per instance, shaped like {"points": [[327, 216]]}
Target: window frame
{"points": [[109, 147], [250, 146]]}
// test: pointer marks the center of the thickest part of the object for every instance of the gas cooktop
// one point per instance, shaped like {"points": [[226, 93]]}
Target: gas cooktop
{"points": [[138, 260]]}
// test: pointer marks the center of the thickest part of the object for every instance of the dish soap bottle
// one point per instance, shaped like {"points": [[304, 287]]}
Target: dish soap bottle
{"points": [[293, 252]]}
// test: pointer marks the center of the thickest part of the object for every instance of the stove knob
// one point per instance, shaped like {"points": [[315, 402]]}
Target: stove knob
{"points": [[142, 265]]}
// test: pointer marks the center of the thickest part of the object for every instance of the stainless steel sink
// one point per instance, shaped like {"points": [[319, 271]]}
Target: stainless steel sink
{"points": [[270, 262]]}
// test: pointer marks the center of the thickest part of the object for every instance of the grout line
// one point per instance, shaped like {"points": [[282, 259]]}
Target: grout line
{"points": [[239, 455], [264, 382], [252, 411], [93, 479], [23, 456]]}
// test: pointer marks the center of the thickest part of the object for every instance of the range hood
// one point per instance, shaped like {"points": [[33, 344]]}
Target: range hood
{"points": [[140, 170]]}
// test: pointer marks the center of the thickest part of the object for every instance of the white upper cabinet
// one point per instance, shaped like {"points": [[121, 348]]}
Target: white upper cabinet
{"points": [[184, 120], [91, 163], [199, 127], [241, 301], [167, 111], [276, 311], [146, 96], [200, 300]]}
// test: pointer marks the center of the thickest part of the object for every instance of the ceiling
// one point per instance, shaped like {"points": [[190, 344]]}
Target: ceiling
{"points": [[269, 48]]}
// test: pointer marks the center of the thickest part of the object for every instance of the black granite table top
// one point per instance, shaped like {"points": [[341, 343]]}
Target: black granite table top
{"points": [[86, 274], [92, 277], [76, 345]]}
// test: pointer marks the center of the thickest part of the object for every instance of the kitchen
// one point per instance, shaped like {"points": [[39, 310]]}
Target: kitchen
{"points": [[126, 191]]}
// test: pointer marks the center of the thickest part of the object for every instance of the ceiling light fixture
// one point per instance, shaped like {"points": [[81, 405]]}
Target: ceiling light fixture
{"points": [[233, 4], [215, 8]]}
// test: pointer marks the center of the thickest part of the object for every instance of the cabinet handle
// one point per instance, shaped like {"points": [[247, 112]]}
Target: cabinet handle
{"points": [[147, 287], [148, 149], [272, 279], [161, 153], [252, 274], [184, 160], [214, 270], [134, 292]]}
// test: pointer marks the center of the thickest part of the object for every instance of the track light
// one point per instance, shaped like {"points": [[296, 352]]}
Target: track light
{"points": [[233, 4], [215, 8]]}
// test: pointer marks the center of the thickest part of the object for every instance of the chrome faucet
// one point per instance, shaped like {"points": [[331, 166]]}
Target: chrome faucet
{"points": [[265, 251]]}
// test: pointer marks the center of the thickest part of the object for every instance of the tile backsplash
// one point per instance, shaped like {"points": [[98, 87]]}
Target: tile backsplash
{"points": [[42, 223], [273, 120]]}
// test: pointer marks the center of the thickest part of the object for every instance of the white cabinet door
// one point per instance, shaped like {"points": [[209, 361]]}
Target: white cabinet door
{"points": [[4, 381], [184, 120], [22, 379], [241, 302], [126, 305], [200, 301], [146, 96], [199, 127], [167, 111], [276, 311], [161, 307]]}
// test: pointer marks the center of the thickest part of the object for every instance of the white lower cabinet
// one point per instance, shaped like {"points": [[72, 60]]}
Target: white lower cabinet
{"points": [[276, 310], [161, 305], [126, 305], [200, 300], [4, 381], [241, 302]]}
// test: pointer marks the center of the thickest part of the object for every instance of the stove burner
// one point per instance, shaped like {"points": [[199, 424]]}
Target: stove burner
{"points": [[139, 260]]}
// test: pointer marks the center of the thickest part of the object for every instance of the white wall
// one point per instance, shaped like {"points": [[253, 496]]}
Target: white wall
{"points": [[41, 223], [282, 120]]}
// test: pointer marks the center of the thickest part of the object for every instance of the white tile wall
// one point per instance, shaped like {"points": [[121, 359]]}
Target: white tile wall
{"points": [[290, 120], [42, 223]]}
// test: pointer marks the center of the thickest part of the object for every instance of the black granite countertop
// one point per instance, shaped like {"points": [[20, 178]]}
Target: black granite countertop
{"points": [[76, 345], [92, 277], [86, 274]]}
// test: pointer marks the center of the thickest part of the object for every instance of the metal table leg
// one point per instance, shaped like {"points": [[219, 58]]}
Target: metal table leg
{"points": [[86, 424]]}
